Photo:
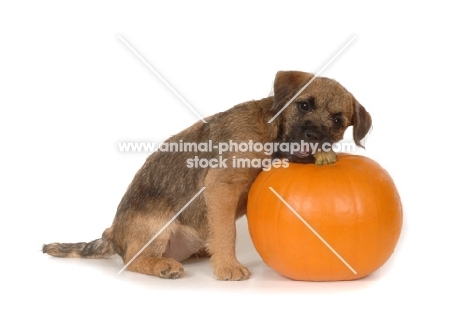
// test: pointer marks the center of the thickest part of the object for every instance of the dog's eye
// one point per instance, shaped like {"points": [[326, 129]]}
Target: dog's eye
{"points": [[304, 106], [337, 120]]}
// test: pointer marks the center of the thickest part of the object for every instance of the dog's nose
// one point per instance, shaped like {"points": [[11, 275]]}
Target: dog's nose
{"points": [[312, 135]]}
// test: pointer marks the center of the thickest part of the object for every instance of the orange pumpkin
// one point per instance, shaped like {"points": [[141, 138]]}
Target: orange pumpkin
{"points": [[345, 222]]}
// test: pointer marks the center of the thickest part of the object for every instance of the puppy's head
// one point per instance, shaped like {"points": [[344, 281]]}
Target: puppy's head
{"points": [[319, 115]]}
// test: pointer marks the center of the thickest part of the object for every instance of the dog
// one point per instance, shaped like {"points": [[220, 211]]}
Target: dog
{"points": [[166, 182]]}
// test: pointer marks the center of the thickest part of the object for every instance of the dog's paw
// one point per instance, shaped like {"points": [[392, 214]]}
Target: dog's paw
{"points": [[169, 269], [325, 158], [234, 272]]}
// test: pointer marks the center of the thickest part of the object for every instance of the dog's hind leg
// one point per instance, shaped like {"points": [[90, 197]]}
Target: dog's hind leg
{"points": [[151, 260], [163, 267], [162, 256]]}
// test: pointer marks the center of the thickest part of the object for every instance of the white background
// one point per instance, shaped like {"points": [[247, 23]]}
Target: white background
{"points": [[70, 90]]}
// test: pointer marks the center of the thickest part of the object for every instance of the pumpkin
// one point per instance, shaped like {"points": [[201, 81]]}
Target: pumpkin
{"points": [[325, 223]]}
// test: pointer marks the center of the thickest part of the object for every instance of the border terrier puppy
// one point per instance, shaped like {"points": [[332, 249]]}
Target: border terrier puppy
{"points": [[165, 183]]}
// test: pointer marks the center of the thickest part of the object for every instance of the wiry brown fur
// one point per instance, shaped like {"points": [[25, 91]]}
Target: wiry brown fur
{"points": [[165, 184]]}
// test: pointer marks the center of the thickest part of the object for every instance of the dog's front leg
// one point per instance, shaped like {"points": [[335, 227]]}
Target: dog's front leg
{"points": [[222, 202], [325, 158]]}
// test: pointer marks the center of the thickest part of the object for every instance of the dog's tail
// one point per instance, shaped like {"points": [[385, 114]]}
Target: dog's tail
{"points": [[99, 248]]}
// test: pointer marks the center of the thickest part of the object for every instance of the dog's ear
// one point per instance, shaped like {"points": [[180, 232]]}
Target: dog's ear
{"points": [[286, 85], [361, 122]]}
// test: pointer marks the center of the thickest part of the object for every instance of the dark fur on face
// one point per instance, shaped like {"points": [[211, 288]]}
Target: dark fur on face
{"points": [[165, 183]]}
